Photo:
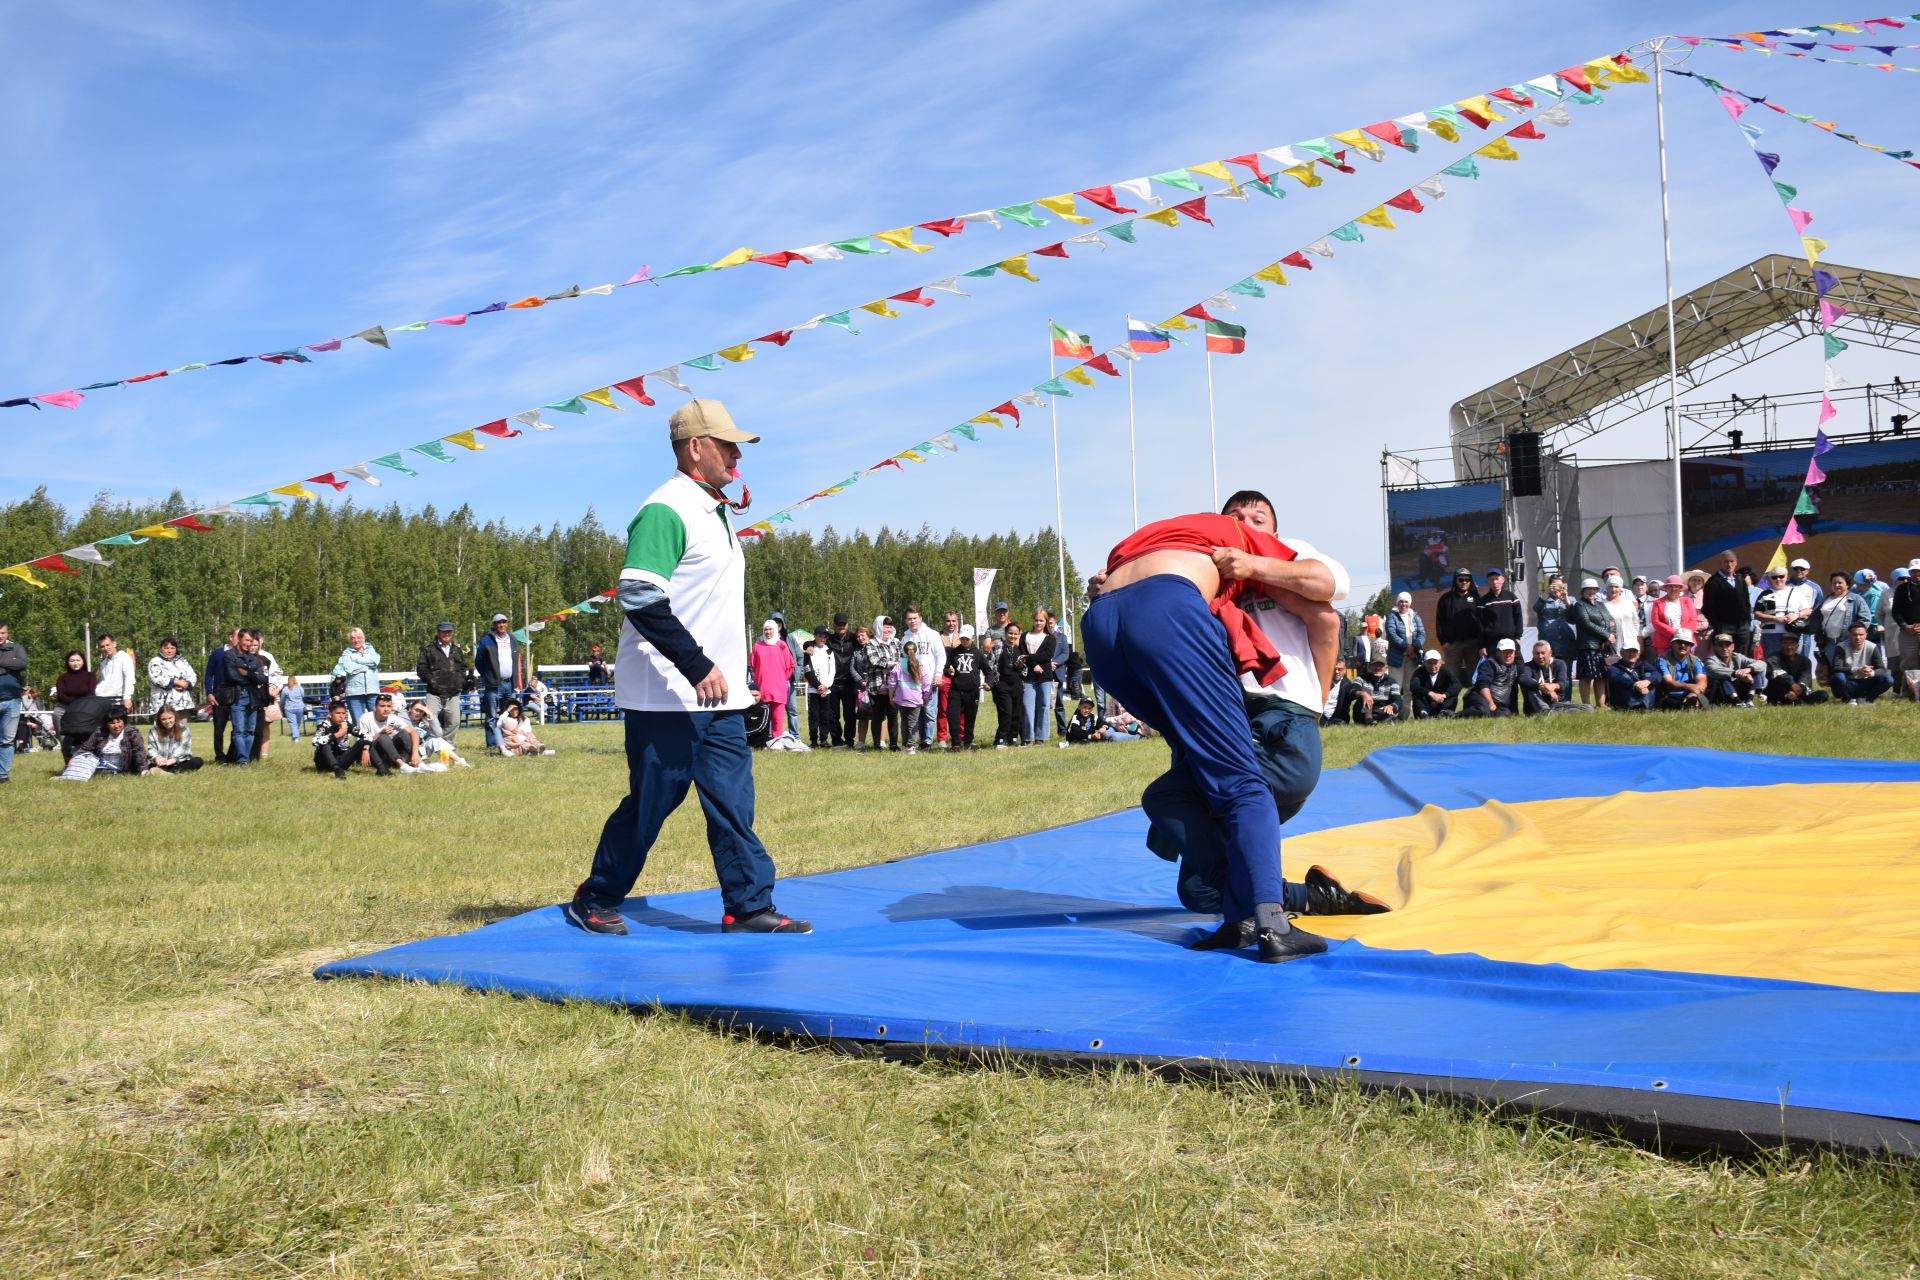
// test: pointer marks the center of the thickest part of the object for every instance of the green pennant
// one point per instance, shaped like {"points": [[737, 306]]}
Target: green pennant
{"points": [[978, 273], [393, 462], [1834, 345], [1022, 213], [842, 319], [415, 327], [693, 270], [1319, 147], [432, 449], [1267, 186], [967, 430], [1348, 232], [1786, 191], [1464, 167], [1177, 178], [1803, 506], [1053, 387], [1249, 287], [1121, 231], [259, 500], [572, 404], [708, 363], [861, 244]]}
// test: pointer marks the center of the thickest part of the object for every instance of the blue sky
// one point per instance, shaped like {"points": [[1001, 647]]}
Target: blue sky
{"points": [[199, 181]]}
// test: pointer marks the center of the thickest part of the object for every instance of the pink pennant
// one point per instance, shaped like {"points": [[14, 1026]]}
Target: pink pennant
{"points": [[61, 399], [459, 319], [1692, 40], [331, 344], [1800, 218], [636, 277], [1735, 107], [1830, 313], [1793, 534], [1827, 412], [1814, 474]]}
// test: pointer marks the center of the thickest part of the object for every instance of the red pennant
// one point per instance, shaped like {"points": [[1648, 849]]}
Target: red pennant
{"points": [[780, 259], [327, 478], [1009, 409], [1104, 197], [1474, 118], [1196, 208], [755, 534], [1408, 201], [1198, 312], [779, 338], [1577, 78], [52, 562], [913, 296], [1508, 95], [147, 377], [890, 462], [498, 427], [1339, 162], [635, 387], [944, 227], [1298, 259], [1386, 131], [1249, 161], [1529, 130], [1104, 364], [1051, 251], [190, 524]]}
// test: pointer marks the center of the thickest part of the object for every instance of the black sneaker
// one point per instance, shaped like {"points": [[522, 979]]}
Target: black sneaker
{"points": [[768, 921], [1276, 946], [1328, 897], [1231, 936], [595, 919]]}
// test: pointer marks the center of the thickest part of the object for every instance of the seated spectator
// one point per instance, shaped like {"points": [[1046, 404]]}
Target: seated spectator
{"points": [[1496, 682], [1858, 669], [1673, 612], [1683, 678], [1084, 725], [1435, 688], [170, 743], [516, 733], [1790, 676], [1545, 684], [36, 723], [80, 720], [112, 748], [1378, 694], [336, 742], [1630, 681], [436, 752], [1732, 677], [388, 739], [1342, 696], [1121, 724], [535, 699]]}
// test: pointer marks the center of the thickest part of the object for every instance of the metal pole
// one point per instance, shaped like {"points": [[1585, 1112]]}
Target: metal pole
{"points": [[1213, 455], [1673, 353], [1059, 519], [1133, 459]]}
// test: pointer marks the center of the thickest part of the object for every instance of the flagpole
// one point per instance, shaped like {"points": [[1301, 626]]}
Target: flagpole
{"points": [[1213, 455], [1059, 518], [1133, 459], [1657, 45]]}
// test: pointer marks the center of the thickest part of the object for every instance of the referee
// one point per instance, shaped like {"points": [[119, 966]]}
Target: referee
{"points": [[680, 678]]}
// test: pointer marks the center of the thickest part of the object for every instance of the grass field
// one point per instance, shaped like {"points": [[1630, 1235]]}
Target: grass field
{"points": [[178, 1096]]}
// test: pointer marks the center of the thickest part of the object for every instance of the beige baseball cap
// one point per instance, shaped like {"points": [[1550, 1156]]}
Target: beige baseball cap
{"points": [[706, 418]]}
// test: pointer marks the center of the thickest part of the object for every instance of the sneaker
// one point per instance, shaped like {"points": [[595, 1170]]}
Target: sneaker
{"points": [[999, 746], [595, 919], [547, 752], [913, 751], [768, 921], [1277, 947], [407, 768], [1328, 897], [1230, 936]]}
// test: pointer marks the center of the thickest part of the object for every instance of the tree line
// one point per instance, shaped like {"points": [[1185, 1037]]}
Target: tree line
{"points": [[307, 572]]}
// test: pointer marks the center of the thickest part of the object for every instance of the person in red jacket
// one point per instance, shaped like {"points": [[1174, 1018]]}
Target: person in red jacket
{"points": [[1167, 636], [1675, 611]]}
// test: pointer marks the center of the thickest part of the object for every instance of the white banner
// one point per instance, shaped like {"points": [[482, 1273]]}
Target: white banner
{"points": [[982, 588]]}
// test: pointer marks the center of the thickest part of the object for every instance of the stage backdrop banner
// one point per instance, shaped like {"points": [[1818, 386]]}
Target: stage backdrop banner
{"points": [[1626, 519], [1868, 509], [1433, 532]]}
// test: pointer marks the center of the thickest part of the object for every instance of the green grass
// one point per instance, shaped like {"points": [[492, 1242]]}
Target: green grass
{"points": [[179, 1096]]}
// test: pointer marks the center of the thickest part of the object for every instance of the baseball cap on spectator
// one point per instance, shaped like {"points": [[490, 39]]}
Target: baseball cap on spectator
{"points": [[499, 617], [1615, 580], [1505, 645], [1913, 566], [1682, 636], [444, 626], [1001, 605], [1589, 584], [966, 631], [1798, 564], [1721, 637], [1630, 645], [839, 619], [1496, 569], [1901, 575], [697, 418], [1639, 577], [1462, 572], [1431, 655]]}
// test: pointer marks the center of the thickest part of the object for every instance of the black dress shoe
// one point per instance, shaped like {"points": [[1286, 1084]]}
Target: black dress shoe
{"points": [[1231, 936], [1276, 946], [768, 921], [1328, 897]]}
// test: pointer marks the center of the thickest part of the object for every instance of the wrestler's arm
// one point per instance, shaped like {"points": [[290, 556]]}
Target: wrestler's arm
{"points": [[1323, 631], [1310, 579]]}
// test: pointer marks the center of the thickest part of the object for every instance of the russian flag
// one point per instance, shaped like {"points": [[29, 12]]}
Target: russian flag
{"points": [[1146, 339]]}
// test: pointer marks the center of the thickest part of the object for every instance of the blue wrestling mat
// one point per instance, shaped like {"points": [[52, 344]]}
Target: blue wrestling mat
{"points": [[1707, 947]]}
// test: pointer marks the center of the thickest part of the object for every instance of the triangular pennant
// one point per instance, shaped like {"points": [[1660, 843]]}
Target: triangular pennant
{"points": [[1022, 213], [392, 462], [902, 238], [635, 387], [498, 428], [294, 491], [432, 449], [88, 554], [190, 523], [20, 571], [1062, 206], [53, 564], [465, 439], [329, 479], [376, 335]]}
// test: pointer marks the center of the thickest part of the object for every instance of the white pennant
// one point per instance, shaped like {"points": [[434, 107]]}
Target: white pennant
{"points": [[1220, 300], [945, 441], [1125, 351], [1234, 192], [1140, 189], [89, 554], [984, 215], [1557, 114], [947, 285], [221, 510], [531, 418], [603, 290], [821, 253], [1088, 237], [1432, 188], [802, 328], [1282, 156], [1547, 85], [1030, 397], [671, 376], [1321, 247], [361, 471]]}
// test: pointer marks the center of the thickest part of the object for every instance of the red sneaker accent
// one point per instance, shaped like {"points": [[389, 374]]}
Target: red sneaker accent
{"points": [[728, 920]]}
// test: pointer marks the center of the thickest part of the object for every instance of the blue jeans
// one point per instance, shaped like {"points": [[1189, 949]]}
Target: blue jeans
{"points": [[246, 725], [9, 729], [358, 704], [666, 752], [1845, 688], [1036, 697], [492, 698], [1182, 826]]}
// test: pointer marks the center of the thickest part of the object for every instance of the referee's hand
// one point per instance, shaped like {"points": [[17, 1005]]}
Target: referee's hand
{"points": [[712, 689]]}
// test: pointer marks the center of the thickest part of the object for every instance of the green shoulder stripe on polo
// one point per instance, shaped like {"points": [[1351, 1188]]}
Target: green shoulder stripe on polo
{"points": [[656, 540]]}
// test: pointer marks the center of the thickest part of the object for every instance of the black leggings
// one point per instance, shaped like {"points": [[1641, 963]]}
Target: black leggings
{"points": [[328, 758]]}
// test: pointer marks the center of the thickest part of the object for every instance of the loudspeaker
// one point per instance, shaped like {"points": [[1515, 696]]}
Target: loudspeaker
{"points": [[1523, 463]]}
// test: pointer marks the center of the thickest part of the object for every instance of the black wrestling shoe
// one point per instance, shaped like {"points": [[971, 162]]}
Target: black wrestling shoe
{"points": [[1231, 936], [1328, 897], [595, 919], [768, 921], [1276, 946]]}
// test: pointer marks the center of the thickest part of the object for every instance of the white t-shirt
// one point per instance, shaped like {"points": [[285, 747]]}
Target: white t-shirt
{"points": [[1301, 683], [682, 542], [370, 726]]}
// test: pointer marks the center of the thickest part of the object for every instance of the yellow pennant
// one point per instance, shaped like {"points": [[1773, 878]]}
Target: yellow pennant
{"points": [[1627, 73], [294, 491], [733, 259], [910, 455], [1498, 149], [1600, 71], [1079, 375], [1355, 138], [464, 439], [1814, 246], [21, 572], [985, 420], [1376, 217], [879, 307], [736, 354], [156, 531], [604, 396], [1304, 172], [1480, 106], [1442, 128], [902, 238], [1165, 217], [1063, 206], [1176, 322], [1271, 273], [1018, 267], [1779, 560], [1211, 169]]}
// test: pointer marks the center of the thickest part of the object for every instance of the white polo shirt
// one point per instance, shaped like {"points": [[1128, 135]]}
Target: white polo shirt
{"points": [[1301, 684], [683, 543]]}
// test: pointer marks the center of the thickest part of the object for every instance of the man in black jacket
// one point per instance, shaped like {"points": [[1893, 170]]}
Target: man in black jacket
{"points": [[1545, 684], [1501, 615], [245, 695], [1435, 688], [1904, 620], [442, 667], [1007, 685], [843, 699], [1456, 619], [1724, 600]]}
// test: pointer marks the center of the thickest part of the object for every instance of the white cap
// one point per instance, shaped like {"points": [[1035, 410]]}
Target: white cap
{"points": [[1615, 580], [1913, 566], [1432, 655], [1505, 645], [966, 631], [1630, 645], [1682, 633], [1404, 595], [1589, 583], [1798, 564]]}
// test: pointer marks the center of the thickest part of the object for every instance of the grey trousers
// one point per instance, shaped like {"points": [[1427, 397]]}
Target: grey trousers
{"points": [[446, 711]]}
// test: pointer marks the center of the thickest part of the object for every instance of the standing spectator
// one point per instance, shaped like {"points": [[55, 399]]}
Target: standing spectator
{"points": [[245, 695], [442, 668], [388, 738], [1883, 615], [1838, 614], [293, 707], [911, 686], [1370, 643], [1009, 683], [1555, 626], [1502, 616], [1696, 589], [1630, 682], [822, 670], [1625, 615], [1673, 612], [1496, 682], [1733, 678], [73, 685], [1870, 589], [215, 682], [998, 627], [1378, 693], [336, 743], [943, 680], [1800, 573], [882, 656], [1641, 601], [964, 677], [270, 705], [1904, 618], [1406, 638], [170, 742], [771, 664], [1066, 671], [1545, 684], [1788, 606], [843, 698], [359, 666], [793, 643], [1434, 689], [1726, 605], [932, 661], [13, 680], [1859, 668], [1036, 670], [597, 673], [1683, 678], [1592, 634], [1456, 620], [170, 678], [501, 664], [116, 673]]}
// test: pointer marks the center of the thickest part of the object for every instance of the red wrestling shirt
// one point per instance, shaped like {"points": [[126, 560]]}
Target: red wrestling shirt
{"points": [[1204, 534]]}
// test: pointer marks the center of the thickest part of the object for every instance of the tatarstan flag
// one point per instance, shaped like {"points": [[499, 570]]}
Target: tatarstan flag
{"points": [[1228, 339], [1068, 343]]}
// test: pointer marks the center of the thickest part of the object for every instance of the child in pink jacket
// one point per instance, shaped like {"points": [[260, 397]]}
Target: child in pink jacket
{"points": [[771, 662], [911, 690]]}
